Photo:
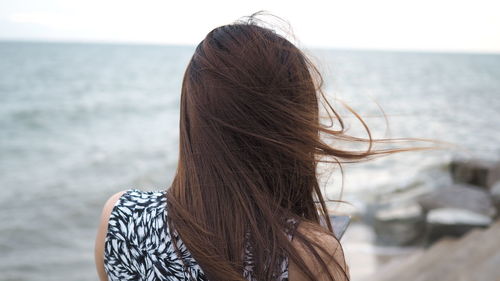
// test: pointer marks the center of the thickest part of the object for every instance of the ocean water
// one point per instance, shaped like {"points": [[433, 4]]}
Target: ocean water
{"points": [[82, 121]]}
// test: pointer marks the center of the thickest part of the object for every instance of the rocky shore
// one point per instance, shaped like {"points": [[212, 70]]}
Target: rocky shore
{"points": [[427, 218], [473, 257], [422, 215]]}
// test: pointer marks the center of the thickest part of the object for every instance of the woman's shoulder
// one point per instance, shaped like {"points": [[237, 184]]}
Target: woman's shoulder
{"points": [[136, 199], [133, 202], [129, 214], [102, 232], [334, 256], [131, 229], [134, 207]]}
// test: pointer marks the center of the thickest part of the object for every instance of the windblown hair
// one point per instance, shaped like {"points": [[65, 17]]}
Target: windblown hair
{"points": [[249, 148]]}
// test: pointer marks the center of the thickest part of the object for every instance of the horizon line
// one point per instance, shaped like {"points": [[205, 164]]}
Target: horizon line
{"points": [[307, 47]]}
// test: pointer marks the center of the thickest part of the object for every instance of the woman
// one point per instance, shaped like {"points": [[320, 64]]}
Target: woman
{"points": [[245, 203]]}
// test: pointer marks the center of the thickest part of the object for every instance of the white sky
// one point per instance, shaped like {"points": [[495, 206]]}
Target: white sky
{"points": [[434, 25]]}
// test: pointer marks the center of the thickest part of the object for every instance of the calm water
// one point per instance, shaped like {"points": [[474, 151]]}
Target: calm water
{"points": [[82, 121]]}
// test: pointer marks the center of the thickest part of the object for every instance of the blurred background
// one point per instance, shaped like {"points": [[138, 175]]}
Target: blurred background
{"points": [[89, 105]]}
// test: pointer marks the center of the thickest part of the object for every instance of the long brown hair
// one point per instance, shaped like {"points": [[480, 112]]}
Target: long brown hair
{"points": [[249, 148]]}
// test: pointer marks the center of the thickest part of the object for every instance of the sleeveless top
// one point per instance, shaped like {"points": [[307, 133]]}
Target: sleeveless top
{"points": [[139, 246]]}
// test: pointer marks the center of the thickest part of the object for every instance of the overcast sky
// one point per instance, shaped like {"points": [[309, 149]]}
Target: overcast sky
{"points": [[429, 25]]}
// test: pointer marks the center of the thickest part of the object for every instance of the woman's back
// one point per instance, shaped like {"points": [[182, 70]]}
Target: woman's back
{"points": [[138, 244]]}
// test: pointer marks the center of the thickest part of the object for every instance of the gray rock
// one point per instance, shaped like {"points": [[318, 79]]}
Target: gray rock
{"points": [[459, 196], [445, 222], [495, 196], [399, 225], [483, 173], [476, 256], [454, 216]]}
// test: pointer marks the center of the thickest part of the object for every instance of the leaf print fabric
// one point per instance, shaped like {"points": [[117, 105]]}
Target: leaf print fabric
{"points": [[138, 244]]}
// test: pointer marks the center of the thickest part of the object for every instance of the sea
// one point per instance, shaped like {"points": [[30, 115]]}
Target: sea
{"points": [[81, 121]]}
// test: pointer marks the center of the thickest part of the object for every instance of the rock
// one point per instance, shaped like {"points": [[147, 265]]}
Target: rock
{"points": [[453, 222], [495, 196], [475, 256], [457, 216], [483, 173], [399, 225], [460, 196]]}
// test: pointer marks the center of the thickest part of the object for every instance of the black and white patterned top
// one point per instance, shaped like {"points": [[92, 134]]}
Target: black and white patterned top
{"points": [[138, 244]]}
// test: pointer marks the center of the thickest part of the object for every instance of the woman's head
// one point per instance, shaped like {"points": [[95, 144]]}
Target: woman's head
{"points": [[249, 108], [245, 82]]}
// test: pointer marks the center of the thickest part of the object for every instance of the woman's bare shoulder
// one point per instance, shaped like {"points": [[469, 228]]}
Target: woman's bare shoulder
{"points": [[101, 234], [334, 257]]}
